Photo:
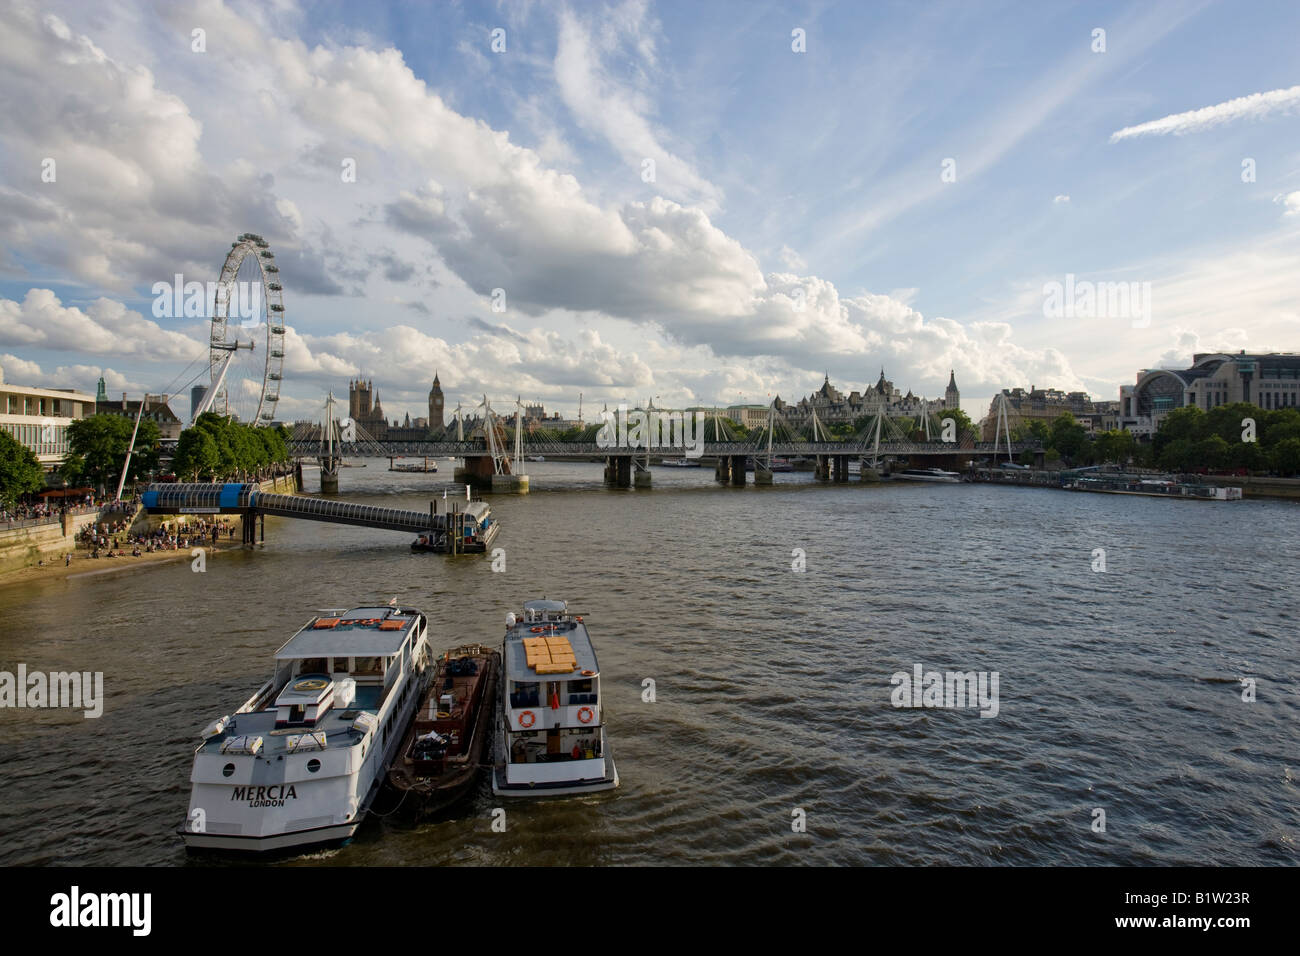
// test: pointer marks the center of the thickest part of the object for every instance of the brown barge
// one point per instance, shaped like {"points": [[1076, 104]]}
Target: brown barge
{"points": [[446, 745]]}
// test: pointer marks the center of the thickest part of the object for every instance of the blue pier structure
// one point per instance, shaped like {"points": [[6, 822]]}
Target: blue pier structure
{"points": [[462, 529]]}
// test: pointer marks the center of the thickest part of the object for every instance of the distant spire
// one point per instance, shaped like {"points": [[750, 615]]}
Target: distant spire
{"points": [[952, 379]]}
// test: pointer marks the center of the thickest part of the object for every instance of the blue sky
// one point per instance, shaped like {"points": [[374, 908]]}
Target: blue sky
{"points": [[777, 174]]}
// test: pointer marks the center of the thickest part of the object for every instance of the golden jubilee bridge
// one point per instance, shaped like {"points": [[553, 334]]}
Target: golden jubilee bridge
{"points": [[495, 448]]}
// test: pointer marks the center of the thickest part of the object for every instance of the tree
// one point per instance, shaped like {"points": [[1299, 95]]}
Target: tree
{"points": [[1212, 453], [98, 446], [964, 425], [1114, 446], [20, 470], [1186, 423], [1178, 455], [1286, 456], [1068, 437], [196, 455], [222, 448]]}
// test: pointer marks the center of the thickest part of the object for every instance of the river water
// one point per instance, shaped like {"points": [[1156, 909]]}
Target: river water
{"points": [[1118, 692]]}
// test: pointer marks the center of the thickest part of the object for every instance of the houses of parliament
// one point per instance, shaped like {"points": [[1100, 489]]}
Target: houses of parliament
{"points": [[365, 409]]}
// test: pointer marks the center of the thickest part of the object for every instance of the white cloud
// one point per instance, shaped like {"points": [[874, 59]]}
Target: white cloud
{"points": [[1255, 106], [616, 110], [1061, 199], [1291, 201], [19, 370], [106, 327]]}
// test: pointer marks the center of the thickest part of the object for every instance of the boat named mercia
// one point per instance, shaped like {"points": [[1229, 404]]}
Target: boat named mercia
{"points": [[299, 763], [550, 736]]}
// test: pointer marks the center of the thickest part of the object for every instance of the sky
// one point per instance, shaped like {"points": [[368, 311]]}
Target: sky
{"points": [[695, 203]]}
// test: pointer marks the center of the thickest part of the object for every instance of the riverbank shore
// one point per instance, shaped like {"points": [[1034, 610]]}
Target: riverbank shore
{"points": [[84, 566]]}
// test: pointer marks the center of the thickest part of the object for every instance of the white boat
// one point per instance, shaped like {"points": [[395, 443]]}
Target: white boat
{"points": [[550, 727], [928, 474], [299, 763], [679, 463]]}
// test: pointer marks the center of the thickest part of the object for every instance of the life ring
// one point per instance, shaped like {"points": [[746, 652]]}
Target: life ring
{"points": [[527, 718], [310, 683], [588, 711], [588, 673], [443, 715], [537, 630]]}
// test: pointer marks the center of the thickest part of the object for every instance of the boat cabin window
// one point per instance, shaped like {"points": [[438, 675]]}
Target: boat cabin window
{"points": [[368, 667], [525, 694], [580, 686], [313, 665]]}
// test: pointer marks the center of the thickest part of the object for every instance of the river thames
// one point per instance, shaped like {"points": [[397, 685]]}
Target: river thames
{"points": [[1119, 691]]}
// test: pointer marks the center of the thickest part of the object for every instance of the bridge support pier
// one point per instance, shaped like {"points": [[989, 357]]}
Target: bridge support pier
{"points": [[510, 484], [738, 470], [329, 475], [1040, 459], [722, 471], [641, 478], [823, 470], [762, 475], [248, 527], [841, 468], [618, 471], [867, 473]]}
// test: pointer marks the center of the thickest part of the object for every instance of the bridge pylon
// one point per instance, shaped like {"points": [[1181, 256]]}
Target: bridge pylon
{"points": [[329, 458]]}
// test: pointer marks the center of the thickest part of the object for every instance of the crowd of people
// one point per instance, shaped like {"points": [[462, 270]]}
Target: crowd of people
{"points": [[47, 509], [112, 539]]}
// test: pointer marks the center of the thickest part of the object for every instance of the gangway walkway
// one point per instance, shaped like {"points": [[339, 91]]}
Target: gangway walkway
{"points": [[247, 499]]}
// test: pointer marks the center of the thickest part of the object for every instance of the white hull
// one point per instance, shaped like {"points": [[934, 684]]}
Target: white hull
{"points": [[275, 798], [555, 789], [263, 844]]}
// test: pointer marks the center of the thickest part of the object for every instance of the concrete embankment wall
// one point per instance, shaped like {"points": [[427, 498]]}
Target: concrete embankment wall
{"points": [[24, 547]]}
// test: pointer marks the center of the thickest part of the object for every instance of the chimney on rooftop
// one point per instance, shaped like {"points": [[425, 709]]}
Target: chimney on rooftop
{"points": [[124, 401]]}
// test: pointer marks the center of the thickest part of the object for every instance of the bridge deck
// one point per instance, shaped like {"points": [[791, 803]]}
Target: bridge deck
{"points": [[197, 498], [557, 449]]}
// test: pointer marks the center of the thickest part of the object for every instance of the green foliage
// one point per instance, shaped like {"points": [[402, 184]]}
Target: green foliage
{"points": [[1114, 446], [1286, 456], [1190, 438], [1068, 437], [964, 425], [20, 470], [219, 449], [98, 446]]}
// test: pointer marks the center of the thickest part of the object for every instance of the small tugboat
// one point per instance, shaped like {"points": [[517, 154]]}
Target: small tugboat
{"points": [[300, 762], [445, 746], [550, 733], [469, 530]]}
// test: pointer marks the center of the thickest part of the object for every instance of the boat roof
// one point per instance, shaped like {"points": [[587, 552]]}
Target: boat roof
{"points": [[516, 655], [349, 636], [558, 607]]}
